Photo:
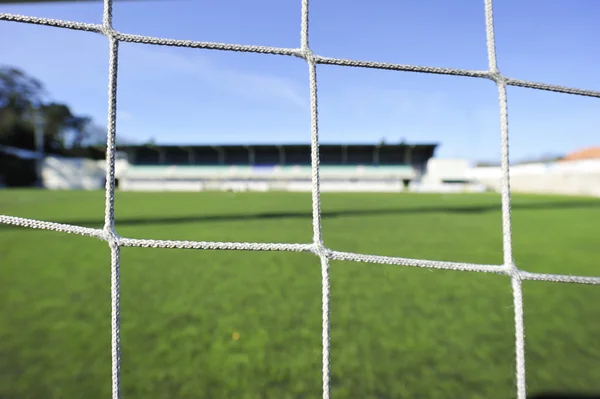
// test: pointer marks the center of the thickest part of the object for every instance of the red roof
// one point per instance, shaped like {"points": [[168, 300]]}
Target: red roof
{"points": [[586, 153]]}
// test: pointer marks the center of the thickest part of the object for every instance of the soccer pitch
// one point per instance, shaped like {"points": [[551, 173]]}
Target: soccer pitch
{"points": [[224, 324]]}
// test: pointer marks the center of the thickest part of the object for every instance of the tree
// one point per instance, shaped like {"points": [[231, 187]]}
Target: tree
{"points": [[20, 97], [96, 135], [62, 129], [65, 133], [19, 92]]}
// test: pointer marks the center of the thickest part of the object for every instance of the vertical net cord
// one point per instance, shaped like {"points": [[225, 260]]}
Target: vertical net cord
{"points": [[316, 201], [516, 283], [109, 215]]}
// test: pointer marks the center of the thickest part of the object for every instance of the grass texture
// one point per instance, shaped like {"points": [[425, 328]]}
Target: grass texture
{"points": [[226, 324]]}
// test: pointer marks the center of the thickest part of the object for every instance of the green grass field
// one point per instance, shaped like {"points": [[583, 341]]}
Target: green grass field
{"points": [[397, 332]]}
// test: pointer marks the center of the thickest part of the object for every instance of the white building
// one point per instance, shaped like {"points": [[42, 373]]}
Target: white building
{"points": [[448, 175]]}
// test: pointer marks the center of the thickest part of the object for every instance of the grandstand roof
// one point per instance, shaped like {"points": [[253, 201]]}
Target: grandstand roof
{"points": [[19, 152], [281, 154], [421, 146]]}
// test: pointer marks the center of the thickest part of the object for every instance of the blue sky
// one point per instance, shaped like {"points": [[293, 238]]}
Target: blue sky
{"points": [[190, 96]]}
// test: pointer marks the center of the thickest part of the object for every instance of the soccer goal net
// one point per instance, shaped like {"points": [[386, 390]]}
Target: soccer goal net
{"points": [[325, 254]]}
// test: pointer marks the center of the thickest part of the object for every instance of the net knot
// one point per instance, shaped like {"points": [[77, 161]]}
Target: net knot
{"points": [[111, 236], [497, 77], [308, 55], [321, 250], [109, 32], [512, 270]]}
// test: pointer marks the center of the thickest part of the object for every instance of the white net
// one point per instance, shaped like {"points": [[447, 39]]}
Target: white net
{"points": [[317, 247]]}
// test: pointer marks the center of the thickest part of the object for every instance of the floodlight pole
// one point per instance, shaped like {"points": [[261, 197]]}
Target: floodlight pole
{"points": [[38, 126]]}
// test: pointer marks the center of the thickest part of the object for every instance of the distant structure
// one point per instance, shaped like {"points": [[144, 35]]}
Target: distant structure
{"points": [[356, 167], [282, 155], [370, 168], [448, 175], [366, 167], [18, 167], [584, 154], [577, 173]]}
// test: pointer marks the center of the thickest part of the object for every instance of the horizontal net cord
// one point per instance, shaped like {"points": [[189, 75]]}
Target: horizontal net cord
{"points": [[430, 264], [58, 23], [553, 88], [237, 246], [558, 278], [297, 52], [291, 247], [147, 243], [458, 266], [60, 227]]}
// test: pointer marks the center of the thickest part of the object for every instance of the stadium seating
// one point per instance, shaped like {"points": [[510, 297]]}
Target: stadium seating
{"points": [[262, 178]]}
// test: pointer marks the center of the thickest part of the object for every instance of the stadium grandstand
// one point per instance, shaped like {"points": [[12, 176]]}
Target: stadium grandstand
{"points": [[356, 167]]}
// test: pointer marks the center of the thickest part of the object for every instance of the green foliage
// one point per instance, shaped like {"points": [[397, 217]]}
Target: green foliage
{"points": [[397, 332], [21, 97], [19, 92], [64, 132]]}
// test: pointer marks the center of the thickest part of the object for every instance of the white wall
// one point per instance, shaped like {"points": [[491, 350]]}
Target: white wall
{"points": [[121, 167], [447, 188], [71, 173], [567, 178], [439, 169]]}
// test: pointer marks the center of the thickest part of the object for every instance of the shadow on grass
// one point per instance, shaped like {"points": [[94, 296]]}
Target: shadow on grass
{"points": [[476, 209], [563, 395]]}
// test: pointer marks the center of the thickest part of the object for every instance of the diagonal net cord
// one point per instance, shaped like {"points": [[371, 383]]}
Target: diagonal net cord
{"points": [[317, 247]]}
